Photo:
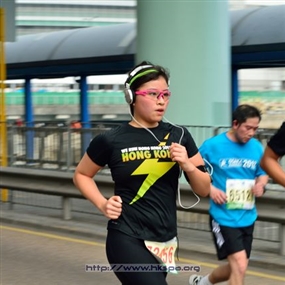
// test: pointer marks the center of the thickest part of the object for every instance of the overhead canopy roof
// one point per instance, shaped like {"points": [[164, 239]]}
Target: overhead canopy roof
{"points": [[258, 37], [258, 40], [90, 51]]}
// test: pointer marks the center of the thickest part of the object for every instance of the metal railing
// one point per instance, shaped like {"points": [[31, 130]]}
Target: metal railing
{"points": [[33, 186], [61, 147]]}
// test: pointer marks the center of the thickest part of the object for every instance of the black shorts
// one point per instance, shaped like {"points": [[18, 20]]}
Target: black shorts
{"points": [[229, 240], [124, 249]]}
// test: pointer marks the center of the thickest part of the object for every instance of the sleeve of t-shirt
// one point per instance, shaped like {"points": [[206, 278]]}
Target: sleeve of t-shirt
{"points": [[99, 150], [259, 170], [203, 149], [277, 141]]}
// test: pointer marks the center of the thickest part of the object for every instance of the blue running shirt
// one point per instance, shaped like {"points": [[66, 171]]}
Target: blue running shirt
{"points": [[232, 160]]}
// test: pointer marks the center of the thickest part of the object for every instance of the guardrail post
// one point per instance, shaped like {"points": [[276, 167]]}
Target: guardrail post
{"points": [[282, 239], [42, 136], [66, 207], [69, 153], [60, 148]]}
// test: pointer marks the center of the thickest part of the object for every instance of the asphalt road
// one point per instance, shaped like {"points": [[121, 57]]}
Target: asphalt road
{"points": [[32, 257]]}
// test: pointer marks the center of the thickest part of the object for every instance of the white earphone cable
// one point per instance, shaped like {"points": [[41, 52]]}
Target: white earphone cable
{"points": [[144, 127], [178, 187]]}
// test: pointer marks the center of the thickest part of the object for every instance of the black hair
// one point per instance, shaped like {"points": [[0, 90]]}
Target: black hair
{"points": [[244, 112], [148, 76]]}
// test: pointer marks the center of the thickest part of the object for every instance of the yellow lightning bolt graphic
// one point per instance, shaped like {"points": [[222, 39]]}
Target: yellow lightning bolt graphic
{"points": [[158, 170], [155, 170]]}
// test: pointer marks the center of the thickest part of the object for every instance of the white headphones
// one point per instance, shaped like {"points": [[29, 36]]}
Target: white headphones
{"points": [[129, 96]]}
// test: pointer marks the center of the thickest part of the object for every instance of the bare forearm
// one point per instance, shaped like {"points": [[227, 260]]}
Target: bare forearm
{"points": [[274, 170], [270, 163], [89, 190], [200, 182]]}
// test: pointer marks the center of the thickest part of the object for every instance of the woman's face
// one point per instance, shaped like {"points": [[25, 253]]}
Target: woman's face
{"points": [[148, 109]]}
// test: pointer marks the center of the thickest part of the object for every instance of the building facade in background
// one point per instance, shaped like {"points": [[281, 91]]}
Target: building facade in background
{"points": [[40, 16], [264, 88]]}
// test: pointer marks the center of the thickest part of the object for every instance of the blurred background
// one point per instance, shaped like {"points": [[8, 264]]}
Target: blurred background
{"points": [[264, 88]]}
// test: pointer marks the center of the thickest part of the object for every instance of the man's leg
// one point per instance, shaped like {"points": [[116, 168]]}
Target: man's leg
{"points": [[220, 274], [234, 244], [238, 263]]}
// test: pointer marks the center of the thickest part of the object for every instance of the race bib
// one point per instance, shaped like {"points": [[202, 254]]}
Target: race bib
{"points": [[239, 194], [164, 252]]}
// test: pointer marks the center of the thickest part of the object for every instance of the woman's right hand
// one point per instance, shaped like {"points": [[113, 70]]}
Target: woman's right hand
{"points": [[113, 207]]}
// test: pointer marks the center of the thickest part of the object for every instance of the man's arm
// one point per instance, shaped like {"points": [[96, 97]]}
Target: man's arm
{"points": [[270, 163]]}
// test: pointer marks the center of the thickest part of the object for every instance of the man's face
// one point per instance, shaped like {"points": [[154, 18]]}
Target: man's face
{"points": [[245, 131]]}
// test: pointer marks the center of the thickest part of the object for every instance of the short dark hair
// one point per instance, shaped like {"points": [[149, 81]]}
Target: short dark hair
{"points": [[244, 112]]}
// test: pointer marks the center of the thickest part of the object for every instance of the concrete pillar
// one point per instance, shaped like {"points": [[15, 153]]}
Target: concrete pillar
{"points": [[191, 39]]}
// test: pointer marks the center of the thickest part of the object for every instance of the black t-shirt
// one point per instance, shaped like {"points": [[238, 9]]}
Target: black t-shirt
{"points": [[277, 141], [145, 176]]}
